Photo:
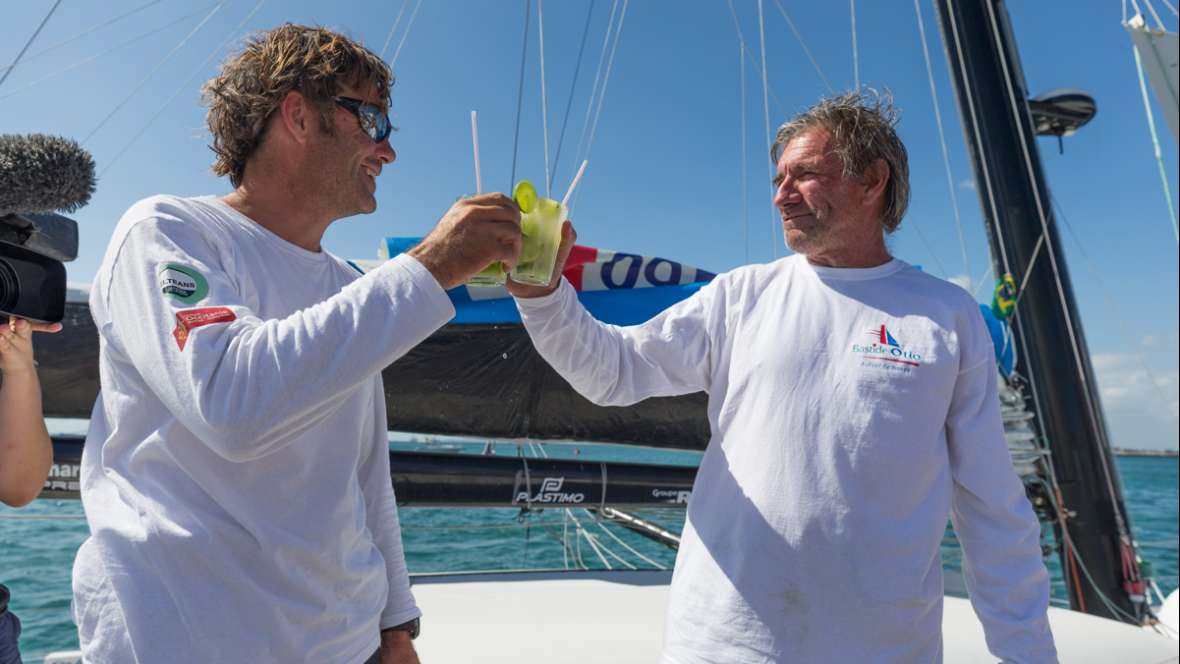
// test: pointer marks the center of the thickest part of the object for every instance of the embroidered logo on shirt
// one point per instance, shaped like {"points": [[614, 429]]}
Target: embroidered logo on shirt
{"points": [[183, 283], [886, 352], [190, 319]]}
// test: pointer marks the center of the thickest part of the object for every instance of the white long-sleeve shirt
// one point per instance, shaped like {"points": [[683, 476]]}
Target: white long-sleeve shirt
{"points": [[851, 410], [236, 472]]}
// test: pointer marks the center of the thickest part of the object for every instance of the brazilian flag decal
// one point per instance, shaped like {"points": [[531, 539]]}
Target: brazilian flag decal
{"points": [[1004, 300]]}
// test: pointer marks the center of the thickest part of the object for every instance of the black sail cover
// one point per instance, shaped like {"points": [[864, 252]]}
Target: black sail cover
{"points": [[478, 375]]}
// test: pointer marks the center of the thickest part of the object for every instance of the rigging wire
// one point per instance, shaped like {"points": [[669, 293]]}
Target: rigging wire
{"points": [[753, 59], [183, 86], [155, 69], [1096, 274], [855, 53], [544, 101], [745, 158], [569, 104], [30, 42], [1155, 141], [946, 159], [799, 38], [610, 23], [581, 530], [1091, 407], [1170, 7], [406, 34], [393, 28], [611, 552], [1032, 262], [1151, 8], [524, 49], [628, 547], [82, 34], [110, 50], [766, 118], [930, 248], [565, 549], [610, 63], [1102, 597], [983, 280]]}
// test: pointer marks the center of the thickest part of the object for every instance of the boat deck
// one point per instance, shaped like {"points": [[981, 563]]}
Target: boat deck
{"points": [[594, 617]]}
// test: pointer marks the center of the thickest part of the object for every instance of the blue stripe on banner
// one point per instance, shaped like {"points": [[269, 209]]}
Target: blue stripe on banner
{"points": [[460, 296], [398, 245], [617, 307]]}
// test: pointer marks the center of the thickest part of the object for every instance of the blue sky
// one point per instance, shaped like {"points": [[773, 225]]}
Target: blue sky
{"points": [[665, 172]]}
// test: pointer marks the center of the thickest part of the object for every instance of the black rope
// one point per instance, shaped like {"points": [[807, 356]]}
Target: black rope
{"points": [[30, 42], [524, 49], [570, 102], [78, 36]]}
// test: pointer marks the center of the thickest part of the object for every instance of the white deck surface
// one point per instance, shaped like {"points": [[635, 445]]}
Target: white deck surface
{"points": [[617, 617]]}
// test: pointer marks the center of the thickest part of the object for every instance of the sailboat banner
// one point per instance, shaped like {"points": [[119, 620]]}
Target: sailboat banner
{"points": [[616, 287]]}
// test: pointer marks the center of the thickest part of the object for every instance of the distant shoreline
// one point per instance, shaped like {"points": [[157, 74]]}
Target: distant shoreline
{"points": [[1147, 453]]}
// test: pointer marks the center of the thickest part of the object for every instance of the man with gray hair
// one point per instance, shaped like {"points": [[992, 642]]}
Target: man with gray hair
{"points": [[853, 406]]}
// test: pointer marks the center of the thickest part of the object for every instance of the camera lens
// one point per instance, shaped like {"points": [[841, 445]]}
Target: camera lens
{"points": [[9, 286]]}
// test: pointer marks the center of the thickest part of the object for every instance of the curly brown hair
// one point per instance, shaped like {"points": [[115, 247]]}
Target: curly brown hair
{"points": [[252, 84], [863, 125]]}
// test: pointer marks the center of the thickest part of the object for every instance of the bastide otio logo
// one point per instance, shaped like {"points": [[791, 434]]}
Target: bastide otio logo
{"points": [[181, 282], [886, 348]]}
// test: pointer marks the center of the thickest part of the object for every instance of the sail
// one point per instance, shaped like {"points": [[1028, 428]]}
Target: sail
{"points": [[479, 375], [1159, 52]]}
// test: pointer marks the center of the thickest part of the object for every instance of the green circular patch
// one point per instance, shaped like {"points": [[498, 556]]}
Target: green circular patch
{"points": [[181, 282]]}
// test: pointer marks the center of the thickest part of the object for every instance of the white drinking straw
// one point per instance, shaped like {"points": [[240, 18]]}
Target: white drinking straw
{"points": [[577, 178], [475, 149]]}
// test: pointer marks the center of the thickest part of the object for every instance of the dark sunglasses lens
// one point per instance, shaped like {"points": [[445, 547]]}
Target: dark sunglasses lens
{"points": [[375, 122], [381, 126]]}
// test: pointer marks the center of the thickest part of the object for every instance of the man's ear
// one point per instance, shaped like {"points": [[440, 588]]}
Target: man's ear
{"points": [[297, 116], [875, 181]]}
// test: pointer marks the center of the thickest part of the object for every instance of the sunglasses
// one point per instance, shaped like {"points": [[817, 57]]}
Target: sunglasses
{"points": [[373, 120]]}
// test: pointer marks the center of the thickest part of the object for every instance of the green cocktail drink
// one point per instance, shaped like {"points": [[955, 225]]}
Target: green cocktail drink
{"points": [[540, 229]]}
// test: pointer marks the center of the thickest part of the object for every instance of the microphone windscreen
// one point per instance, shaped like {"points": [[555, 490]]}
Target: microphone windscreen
{"points": [[40, 173]]}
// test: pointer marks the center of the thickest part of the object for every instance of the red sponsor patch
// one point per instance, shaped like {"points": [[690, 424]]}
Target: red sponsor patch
{"points": [[190, 319]]}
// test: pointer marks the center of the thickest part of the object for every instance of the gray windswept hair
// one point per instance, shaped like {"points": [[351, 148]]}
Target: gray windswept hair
{"points": [[863, 126]]}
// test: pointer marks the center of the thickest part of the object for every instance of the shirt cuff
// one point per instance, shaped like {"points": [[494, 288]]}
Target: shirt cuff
{"points": [[535, 304], [422, 279], [393, 619]]}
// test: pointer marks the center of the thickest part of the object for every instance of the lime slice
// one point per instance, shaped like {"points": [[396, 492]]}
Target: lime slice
{"points": [[525, 196]]}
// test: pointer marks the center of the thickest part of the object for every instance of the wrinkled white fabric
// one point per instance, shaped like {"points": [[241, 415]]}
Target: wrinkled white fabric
{"points": [[236, 472], [851, 411]]}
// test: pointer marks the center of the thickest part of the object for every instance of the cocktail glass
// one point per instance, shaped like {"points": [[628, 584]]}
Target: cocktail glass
{"points": [[492, 275], [540, 229]]}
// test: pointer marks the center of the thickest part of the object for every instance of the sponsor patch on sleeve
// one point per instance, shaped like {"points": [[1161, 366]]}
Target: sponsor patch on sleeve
{"points": [[183, 283], [190, 319]]}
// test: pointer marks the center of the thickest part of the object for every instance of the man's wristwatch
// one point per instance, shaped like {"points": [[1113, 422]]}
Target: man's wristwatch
{"points": [[411, 626]]}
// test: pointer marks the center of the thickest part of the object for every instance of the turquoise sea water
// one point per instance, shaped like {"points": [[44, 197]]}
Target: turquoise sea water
{"points": [[37, 543]]}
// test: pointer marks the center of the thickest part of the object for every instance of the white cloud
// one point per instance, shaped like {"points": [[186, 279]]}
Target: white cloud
{"points": [[962, 281], [1141, 398], [967, 184]]}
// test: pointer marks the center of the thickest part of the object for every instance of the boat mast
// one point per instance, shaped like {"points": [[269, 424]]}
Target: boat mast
{"points": [[991, 95]]}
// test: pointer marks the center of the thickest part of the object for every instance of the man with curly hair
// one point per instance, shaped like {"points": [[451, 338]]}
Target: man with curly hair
{"points": [[236, 472], [853, 406]]}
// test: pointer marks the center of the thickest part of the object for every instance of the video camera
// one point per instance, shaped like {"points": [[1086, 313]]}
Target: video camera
{"points": [[39, 175]]}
